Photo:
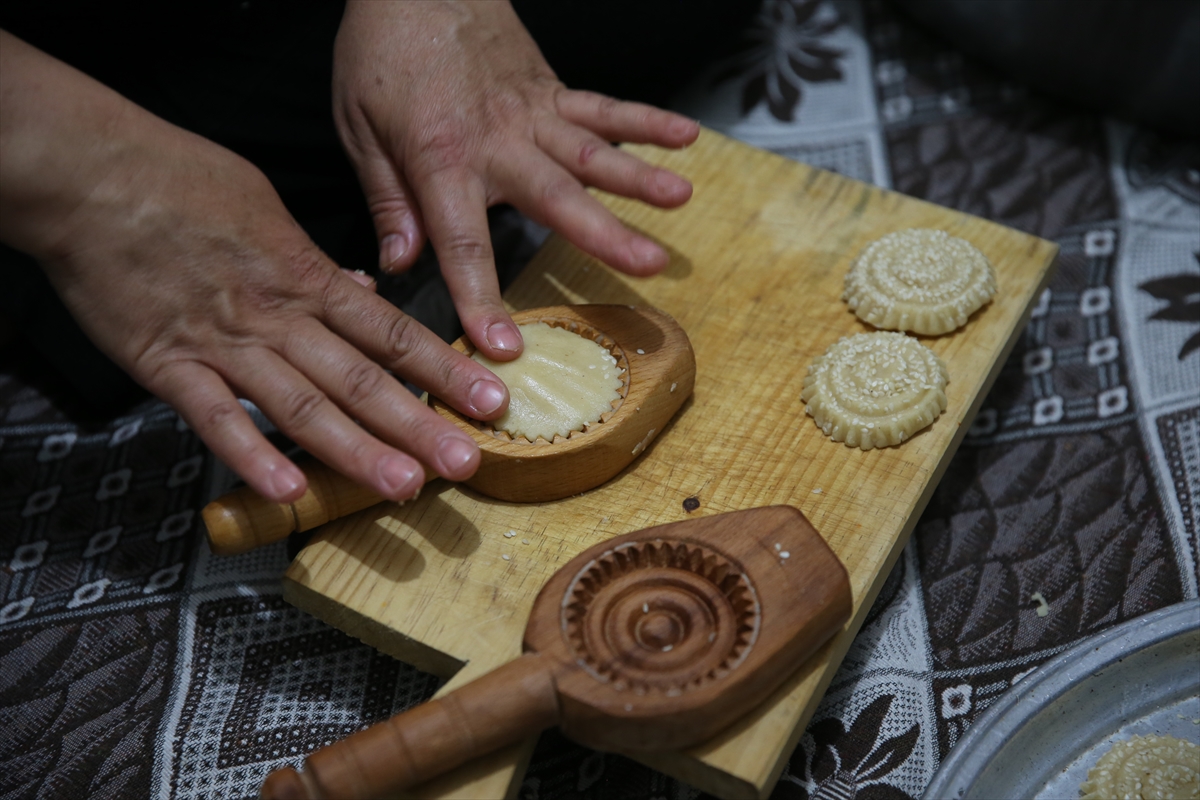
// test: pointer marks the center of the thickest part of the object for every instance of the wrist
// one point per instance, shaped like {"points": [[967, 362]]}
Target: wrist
{"points": [[63, 138]]}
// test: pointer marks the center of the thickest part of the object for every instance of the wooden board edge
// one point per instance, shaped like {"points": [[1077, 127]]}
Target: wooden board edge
{"points": [[369, 631]]}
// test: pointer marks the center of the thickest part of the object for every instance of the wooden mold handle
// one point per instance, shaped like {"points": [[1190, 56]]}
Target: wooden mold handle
{"points": [[507, 704], [243, 519]]}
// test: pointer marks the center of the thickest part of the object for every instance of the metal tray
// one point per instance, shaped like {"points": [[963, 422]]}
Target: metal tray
{"points": [[1040, 739]]}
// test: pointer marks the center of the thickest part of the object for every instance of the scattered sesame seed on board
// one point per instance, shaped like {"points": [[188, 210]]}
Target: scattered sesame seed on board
{"points": [[510, 534], [524, 541], [817, 490], [506, 557], [641, 352]]}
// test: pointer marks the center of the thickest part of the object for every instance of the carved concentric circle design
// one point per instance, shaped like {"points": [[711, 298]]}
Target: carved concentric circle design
{"points": [[587, 332], [660, 616]]}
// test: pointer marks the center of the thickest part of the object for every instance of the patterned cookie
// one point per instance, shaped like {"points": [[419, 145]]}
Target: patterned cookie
{"points": [[561, 383], [919, 280], [1160, 767], [875, 389]]}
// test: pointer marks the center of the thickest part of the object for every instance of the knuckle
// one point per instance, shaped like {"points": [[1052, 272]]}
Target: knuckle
{"points": [[362, 452], [457, 372], [400, 342], [555, 190], [310, 268], [607, 107], [587, 152], [361, 383], [300, 408], [219, 415], [504, 107], [466, 248], [444, 146]]}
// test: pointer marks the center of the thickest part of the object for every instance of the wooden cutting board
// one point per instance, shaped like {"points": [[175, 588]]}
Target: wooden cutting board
{"points": [[758, 259]]}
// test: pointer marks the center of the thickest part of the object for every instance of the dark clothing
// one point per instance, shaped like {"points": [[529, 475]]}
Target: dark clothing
{"points": [[255, 76]]}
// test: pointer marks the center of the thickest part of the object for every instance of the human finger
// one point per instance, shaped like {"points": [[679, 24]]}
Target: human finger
{"points": [[210, 409], [621, 121], [368, 394], [597, 163], [395, 212], [454, 202], [390, 337], [553, 197], [308, 417]]}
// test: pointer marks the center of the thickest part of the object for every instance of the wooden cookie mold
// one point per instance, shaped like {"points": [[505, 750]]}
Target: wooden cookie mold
{"points": [[652, 641], [659, 373]]}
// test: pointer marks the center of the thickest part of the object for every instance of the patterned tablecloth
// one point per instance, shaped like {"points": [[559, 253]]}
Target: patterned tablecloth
{"points": [[134, 663]]}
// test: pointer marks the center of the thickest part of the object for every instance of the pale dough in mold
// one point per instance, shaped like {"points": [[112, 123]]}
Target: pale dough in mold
{"points": [[561, 383]]}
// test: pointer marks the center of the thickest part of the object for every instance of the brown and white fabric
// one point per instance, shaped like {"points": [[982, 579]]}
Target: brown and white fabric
{"points": [[133, 663]]}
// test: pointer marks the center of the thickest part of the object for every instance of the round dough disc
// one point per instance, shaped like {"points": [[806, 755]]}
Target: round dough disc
{"points": [[920, 280], [875, 389], [1161, 767]]}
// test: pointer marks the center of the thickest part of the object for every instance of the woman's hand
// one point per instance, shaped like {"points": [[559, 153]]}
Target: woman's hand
{"points": [[447, 108], [181, 263]]}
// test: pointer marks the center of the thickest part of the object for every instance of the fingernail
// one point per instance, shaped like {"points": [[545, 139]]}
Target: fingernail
{"points": [[392, 249], [455, 453], [486, 396], [285, 480], [669, 183], [503, 336], [400, 477], [684, 127], [647, 254]]}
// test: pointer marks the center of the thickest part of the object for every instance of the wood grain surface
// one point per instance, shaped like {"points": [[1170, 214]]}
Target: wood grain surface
{"points": [[755, 279], [651, 641]]}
